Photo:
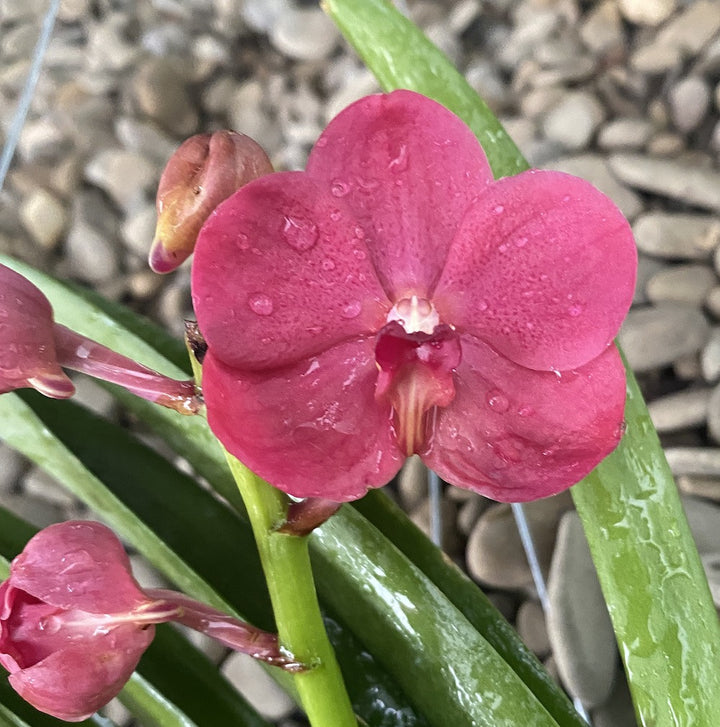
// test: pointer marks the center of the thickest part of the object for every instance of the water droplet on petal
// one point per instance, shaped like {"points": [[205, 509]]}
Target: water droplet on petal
{"points": [[503, 247], [335, 215], [300, 234], [339, 188], [499, 209], [544, 277], [321, 142], [359, 232], [575, 310], [327, 264], [351, 310], [242, 241], [497, 401], [359, 254], [482, 305], [400, 161], [260, 304], [566, 198], [525, 411], [521, 241]]}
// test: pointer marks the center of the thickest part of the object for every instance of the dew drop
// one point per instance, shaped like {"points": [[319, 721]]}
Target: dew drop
{"points": [[300, 234], [321, 142], [339, 188], [575, 310], [242, 241], [400, 161], [525, 411], [503, 247], [351, 310], [497, 401], [544, 277], [359, 232], [499, 209], [335, 215], [260, 304], [327, 264], [566, 198], [359, 254], [482, 305], [521, 241]]}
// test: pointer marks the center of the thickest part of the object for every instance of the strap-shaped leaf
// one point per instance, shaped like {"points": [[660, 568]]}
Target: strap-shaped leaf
{"points": [[652, 578]]}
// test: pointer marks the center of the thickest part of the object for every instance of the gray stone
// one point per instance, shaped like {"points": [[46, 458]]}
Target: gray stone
{"points": [[574, 120], [710, 357], [711, 565], [127, 177], [688, 284], [704, 520], [625, 133], [44, 217], [647, 267], [601, 29], [246, 115], [37, 512], [687, 367], [713, 426], [618, 709], [684, 182], [681, 410], [39, 485], [594, 168], [12, 466], [532, 628], [678, 236], [305, 34], [689, 101], [161, 93], [656, 336], [93, 396], [138, 230], [261, 15], [449, 540], [655, 58], [691, 29], [494, 552], [42, 140], [413, 483], [713, 301], [665, 144], [707, 488], [579, 626], [145, 138], [257, 686], [647, 12], [703, 461], [469, 513]]}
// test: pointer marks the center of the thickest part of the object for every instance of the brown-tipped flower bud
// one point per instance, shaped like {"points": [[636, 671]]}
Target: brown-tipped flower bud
{"points": [[204, 171]]}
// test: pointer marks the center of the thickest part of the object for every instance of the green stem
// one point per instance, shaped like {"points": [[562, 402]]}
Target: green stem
{"points": [[286, 563]]}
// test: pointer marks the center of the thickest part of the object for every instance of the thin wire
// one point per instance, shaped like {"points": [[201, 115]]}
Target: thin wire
{"points": [[538, 578], [11, 142], [434, 493]]}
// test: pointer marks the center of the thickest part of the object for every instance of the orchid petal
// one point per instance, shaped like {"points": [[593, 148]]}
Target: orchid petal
{"points": [[78, 565], [513, 434], [73, 683], [408, 168], [542, 269], [285, 264], [312, 429]]}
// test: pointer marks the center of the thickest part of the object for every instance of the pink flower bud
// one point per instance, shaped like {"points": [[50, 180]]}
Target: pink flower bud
{"points": [[33, 348], [74, 622], [203, 172]]}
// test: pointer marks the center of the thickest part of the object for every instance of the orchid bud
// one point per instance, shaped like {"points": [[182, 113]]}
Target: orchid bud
{"points": [[28, 357], [74, 622], [202, 173]]}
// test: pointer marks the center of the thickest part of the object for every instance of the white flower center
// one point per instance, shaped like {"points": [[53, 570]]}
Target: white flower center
{"points": [[415, 314]]}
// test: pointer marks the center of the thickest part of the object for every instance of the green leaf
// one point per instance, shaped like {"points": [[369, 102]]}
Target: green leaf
{"points": [[651, 575]]}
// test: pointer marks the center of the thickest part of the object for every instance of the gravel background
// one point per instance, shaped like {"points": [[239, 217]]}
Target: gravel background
{"points": [[625, 93]]}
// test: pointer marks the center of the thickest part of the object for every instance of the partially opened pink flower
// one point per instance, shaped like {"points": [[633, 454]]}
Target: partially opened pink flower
{"points": [[395, 299], [74, 622], [34, 349]]}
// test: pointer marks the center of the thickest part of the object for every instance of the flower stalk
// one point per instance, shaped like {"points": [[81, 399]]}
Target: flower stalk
{"points": [[286, 562]]}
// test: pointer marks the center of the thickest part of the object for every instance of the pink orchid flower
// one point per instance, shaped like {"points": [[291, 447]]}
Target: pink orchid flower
{"points": [[394, 299], [74, 622], [34, 348]]}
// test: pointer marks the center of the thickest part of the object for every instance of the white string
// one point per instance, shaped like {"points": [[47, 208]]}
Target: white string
{"points": [[26, 97], [434, 493], [538, 578]]}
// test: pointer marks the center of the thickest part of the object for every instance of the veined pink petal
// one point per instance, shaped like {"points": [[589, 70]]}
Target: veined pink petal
{"points": [[408, 168], [281, 272], [514, 434], [73, 683], [27, 346], [312, 429], [78, 565], [542, 269]]}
